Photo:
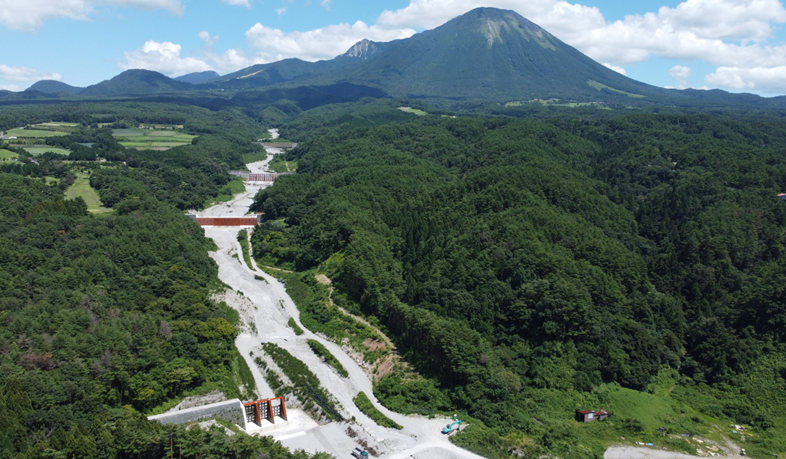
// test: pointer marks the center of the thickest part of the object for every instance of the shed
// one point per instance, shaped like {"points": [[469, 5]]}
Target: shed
{"points": [[585, 416], [782, 196], [601, 415]]}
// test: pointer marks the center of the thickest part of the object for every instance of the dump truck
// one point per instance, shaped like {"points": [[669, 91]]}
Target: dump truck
{"points": [[358, 453]]}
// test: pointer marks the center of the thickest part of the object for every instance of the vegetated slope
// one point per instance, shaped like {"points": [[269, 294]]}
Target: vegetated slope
{"points": [[486, 53], [287, 70], [53, 87], [522, 267], [198, 77], [103, 320], [135, 82]]}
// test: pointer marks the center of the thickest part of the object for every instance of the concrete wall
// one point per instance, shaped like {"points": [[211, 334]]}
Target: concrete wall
{"points": [[230, 411]]}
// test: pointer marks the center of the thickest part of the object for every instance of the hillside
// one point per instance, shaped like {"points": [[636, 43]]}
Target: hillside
{"points": [[54, 87], [136, 82], [198, 77], [527, 268], [487, 53]]}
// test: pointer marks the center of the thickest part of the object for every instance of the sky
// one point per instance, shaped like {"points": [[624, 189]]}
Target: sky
{"points": [[736, 45]]}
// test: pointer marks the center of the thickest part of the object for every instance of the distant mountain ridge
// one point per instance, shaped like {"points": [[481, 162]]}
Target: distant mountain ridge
{"points": [[198, 77], [486, 54], [136, 82], [54, 87]]}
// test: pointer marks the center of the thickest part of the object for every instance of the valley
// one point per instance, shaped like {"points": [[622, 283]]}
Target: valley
{"points": [[265, 309], [474, 229]]}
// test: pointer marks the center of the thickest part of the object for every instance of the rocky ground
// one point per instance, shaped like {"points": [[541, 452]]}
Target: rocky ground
{"points": [[265, 308]]}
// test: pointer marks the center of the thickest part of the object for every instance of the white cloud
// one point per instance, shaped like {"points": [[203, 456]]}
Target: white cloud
{"points": [[165, 58], [681, 74], [10, 87], [324, 43], [26, 74], [281, 11], [238, 2], [231, 60], [326, 3], [764, 79], [31, 14], [616, 68]]}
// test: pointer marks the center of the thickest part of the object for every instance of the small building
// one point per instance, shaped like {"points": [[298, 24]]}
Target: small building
{"points": [[782, 196], [589, 416], [585, 416]]}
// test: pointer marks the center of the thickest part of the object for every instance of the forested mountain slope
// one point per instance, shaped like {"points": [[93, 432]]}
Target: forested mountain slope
{"points": [[516, 260], [106, 320]]}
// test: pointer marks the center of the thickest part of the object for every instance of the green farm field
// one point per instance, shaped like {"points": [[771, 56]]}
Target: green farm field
{"points": [[147, 138], [81, 187], [35, 133], [41, 149], [6, 154]]}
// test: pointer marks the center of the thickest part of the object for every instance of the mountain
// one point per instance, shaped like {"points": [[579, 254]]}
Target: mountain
{"points": [[198, 77], [287, 70], [136, 82], [53, 87], [486, 53], [365, 49]]}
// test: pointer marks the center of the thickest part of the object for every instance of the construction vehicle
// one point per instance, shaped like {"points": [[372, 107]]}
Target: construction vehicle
{"points": [[449, 428], [358, 453]]}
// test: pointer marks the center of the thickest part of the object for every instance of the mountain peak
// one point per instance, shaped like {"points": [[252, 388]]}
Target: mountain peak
{"points": [[364, 49], [494, 23]]}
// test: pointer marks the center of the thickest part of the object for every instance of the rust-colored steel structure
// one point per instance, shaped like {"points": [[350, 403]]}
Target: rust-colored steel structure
{"points": [[227, 221], [262, 177], [267, 408]]}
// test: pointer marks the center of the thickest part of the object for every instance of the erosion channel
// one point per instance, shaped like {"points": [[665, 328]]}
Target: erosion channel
{"points": [[265, 308]]}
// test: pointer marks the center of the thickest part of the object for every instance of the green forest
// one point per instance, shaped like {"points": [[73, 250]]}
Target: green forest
{"points": [[107, 319], [529, 268], [527, 261]]}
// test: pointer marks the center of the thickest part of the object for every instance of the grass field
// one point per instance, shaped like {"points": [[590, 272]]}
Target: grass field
{"points": [[279, 164], [59, 124], [149, 138], [40, 150], [34, 133], [413, 111], [601, 86], [5, 154], [81, 187]]}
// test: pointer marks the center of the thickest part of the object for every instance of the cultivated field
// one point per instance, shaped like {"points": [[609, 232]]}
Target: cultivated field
{"points": [[81, 187], [5, 154], [34, 133], [143, 139], [36, 150]]}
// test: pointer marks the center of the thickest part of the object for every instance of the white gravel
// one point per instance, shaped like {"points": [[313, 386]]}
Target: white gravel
{"points": [[632, 452], [269, 307]]}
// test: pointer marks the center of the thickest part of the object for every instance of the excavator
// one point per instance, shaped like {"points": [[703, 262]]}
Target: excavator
{"points": [[449, 428]]}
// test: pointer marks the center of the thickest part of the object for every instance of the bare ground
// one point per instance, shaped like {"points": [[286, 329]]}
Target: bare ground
{"points": [[265, 308]]}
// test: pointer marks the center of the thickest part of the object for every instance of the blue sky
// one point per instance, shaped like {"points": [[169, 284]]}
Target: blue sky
{"points": [[737, 45]]}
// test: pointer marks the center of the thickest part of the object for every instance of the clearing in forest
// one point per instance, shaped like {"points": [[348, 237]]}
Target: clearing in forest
{"points": [[81, 187], [33, 133], [151, 139], [37, 150], [6, 154]]}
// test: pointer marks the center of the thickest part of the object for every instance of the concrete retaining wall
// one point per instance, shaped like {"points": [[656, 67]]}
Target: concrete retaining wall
{"points": [[230, 411]]}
